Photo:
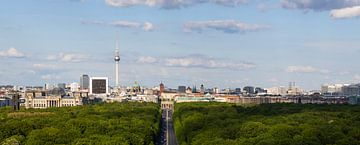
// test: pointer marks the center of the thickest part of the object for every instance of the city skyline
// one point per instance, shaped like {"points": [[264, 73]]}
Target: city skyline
{"points": [[232, 43]]}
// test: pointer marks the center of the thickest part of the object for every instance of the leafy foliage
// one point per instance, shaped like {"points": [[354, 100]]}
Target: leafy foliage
{"points": [[266, 124], [115, 123]]}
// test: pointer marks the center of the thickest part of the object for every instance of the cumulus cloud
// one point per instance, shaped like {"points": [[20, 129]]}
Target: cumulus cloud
{"points": [[12, 52], [68, 57], [305, 69], [146, 26], [172, 4], [226, 26], [349, 12], [198, 61], [318, 5]]}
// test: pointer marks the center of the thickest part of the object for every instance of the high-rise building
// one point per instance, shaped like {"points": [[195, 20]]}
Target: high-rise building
{"points": [[99, 85], [249, 89], [84, 82], [117, 60], [182, 89]]}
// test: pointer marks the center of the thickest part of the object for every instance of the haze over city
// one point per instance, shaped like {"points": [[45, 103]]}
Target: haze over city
{"points": [[229, 43]]}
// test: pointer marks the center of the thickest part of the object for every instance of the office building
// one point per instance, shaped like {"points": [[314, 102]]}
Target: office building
{"points": [[249, 89], [84, 82], [182, 89], [99, 85]]}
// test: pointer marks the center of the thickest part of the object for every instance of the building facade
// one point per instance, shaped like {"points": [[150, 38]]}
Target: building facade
{"points": [[38, 99], [99, 85], [84, 82]]}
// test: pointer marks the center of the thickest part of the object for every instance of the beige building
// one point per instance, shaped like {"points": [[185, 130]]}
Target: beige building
{"points": [[37, 99]]}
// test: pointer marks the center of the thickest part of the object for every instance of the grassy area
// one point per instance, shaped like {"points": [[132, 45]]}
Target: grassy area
{"points": [[115, 123], [268, 124]]}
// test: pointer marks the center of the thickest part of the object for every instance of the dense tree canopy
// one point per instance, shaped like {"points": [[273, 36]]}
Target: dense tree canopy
{"points": [[115, 123], [266, 124]]}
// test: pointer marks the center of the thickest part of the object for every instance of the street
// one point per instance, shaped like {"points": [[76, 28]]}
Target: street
{"points": [[168, 136]]}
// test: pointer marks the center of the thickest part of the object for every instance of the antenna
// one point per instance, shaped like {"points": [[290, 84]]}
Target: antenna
{"points": [[117, 43]]}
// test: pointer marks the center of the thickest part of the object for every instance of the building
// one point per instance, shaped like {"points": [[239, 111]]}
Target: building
{"points": [[237, 90], [249, 89], [277, 91], [162, 87], [202, 89], [99, 85], [354, 100], [188, 90], [259, 90], [49, 86], [351, 90], [5, 101], [216, 90], [194, 90], [74, 87], [84, 82], [332, 89], [182, 89], [42, 99]]}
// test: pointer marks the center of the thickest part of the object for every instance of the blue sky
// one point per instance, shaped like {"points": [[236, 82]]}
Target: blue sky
{"points": [[223, 43]]}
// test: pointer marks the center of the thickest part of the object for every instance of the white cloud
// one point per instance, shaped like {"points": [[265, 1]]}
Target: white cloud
{"points": [[50, 77], [146, 26], [12, 52], [43, 66], [227, 26], [349, 12], [198, 61], [126, 24], [357, 77], [305, 69], [68, 57], [318, 5], [172, 4], [146, 59]]}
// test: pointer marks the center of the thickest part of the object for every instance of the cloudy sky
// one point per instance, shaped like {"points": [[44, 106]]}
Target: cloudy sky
{"points": [[224, 43]]}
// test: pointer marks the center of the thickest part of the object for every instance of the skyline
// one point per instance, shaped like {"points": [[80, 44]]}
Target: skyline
{"points": [[231, 43]]}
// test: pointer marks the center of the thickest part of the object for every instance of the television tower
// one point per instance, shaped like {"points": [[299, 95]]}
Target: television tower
{"points": [[117, 60]]}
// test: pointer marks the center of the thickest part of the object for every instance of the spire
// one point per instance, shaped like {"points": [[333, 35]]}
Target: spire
{"points": [[117, 45]]}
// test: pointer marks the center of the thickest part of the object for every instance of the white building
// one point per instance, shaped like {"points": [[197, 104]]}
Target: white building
{"points": [[334, 88], [74, 87], [49, 86], [277, 90], [99, 86]]}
